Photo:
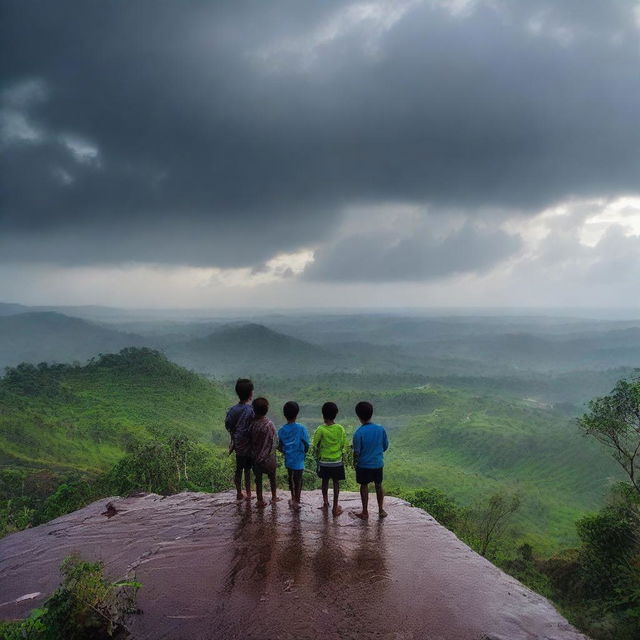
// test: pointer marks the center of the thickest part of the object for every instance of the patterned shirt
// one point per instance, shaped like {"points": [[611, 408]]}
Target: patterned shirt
{"points": [[238, 424], [263, 439]]}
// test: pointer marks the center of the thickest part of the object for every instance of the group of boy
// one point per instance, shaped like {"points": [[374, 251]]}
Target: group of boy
{"points": [[254, 438]]}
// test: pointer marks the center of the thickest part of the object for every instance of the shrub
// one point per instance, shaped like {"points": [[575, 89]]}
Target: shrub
{"points": [[84, 607]]}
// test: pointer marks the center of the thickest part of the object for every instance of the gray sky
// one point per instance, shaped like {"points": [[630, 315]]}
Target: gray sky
{"points": [[287, 153]]}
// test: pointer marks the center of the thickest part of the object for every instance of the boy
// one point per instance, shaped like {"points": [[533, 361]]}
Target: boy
{"points": [[293, 441], [328, 444], [238, 423], [369, 444], [263, 436]]}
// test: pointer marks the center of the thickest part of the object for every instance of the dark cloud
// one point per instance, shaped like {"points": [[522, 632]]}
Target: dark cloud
{"points": [[378, 256], [220, 133]]}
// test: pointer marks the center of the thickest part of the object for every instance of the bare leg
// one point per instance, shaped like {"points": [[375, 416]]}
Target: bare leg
{"points": [[237, 479], [261, 502], [292, 488], [380, 497], [298, 486], [364, 496], [325, 493], [274, 488], [337, 509], [247, 482]]}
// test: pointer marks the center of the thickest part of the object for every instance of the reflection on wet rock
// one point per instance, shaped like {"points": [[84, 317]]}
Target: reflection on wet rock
{"points": [[214, 568]]}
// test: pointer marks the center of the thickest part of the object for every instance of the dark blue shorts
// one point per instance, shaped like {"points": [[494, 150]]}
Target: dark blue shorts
{"points": [[365, 476]]}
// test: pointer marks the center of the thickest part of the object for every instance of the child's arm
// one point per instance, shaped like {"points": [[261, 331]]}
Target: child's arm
{"points": [[385, 440], [356, 448], [305, 440], [228, 425]]}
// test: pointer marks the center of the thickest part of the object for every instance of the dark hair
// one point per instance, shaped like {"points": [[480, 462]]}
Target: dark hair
{"points": [[329, 410], [260, 407], [290, 410], [364, 411], [244, 389]]}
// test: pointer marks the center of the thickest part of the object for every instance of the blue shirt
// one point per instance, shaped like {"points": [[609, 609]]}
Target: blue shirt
{"points": [[294, 441], [369, 444]]}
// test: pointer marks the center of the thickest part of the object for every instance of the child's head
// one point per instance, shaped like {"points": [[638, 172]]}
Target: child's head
{"points": [[329, 410], [244, 389], [291, 410], [364, 411], [260, 407]]}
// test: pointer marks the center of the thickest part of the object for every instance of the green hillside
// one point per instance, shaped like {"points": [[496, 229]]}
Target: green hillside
{"points": [[466, 443], [85, 417], [472, 445]]}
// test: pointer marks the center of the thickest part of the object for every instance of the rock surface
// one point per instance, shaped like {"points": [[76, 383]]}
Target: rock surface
{"points": [[212, 568]]}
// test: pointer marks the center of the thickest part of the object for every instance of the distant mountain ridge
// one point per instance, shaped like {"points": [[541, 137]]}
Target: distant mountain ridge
{"points": [[237, 349], [47, 336]]}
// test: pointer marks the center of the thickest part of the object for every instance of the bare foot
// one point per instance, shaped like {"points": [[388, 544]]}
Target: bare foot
{"points": [[240, 497], [337, 511], [382, 513], [261, 504], [276, 499], [363, 515], [324, 507], [248, 497]]}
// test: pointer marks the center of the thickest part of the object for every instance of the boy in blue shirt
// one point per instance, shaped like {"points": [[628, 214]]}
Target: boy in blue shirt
{"points": [[369, 444], [293, 441]]}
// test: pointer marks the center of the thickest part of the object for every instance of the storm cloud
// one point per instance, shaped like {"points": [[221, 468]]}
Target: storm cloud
{"points": [[223, 133]]}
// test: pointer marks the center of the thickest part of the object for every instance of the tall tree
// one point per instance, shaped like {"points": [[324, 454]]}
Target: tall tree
{"points": [[614, 420]]}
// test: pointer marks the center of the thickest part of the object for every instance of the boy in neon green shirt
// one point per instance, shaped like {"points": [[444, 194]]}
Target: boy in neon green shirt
{"points": [[329, 442]]}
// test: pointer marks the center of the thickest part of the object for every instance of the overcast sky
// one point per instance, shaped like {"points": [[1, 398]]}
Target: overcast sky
{"points": [[289, 153]]}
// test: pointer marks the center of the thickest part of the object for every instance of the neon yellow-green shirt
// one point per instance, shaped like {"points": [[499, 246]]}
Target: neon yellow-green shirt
{"points": [[331, 441]]}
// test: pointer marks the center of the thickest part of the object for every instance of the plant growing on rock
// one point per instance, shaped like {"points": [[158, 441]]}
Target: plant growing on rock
{"points": [[85, 606]]}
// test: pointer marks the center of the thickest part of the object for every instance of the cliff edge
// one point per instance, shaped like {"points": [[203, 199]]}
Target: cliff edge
{"points": [[212, 568]]}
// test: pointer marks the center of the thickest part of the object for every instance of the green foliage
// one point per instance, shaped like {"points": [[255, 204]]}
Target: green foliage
{"points": [[66, 417], [614, 420], [86, 606], [599, 582], [168, 466], [489, 521], [68, 496], [435, 502]]}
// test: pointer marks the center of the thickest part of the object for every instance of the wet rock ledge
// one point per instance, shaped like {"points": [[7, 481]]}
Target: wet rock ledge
{"points": [[212, 568]]}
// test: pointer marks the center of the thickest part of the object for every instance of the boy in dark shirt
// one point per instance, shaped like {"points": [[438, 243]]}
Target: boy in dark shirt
{"points": [[369, 444], [238, 424]]}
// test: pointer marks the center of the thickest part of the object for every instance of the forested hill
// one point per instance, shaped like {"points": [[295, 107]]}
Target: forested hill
{"points": [[84, 417]]}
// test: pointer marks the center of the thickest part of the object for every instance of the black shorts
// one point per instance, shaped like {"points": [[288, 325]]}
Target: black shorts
{"points": [[365, 476], [331, 473], [243, 462]]}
